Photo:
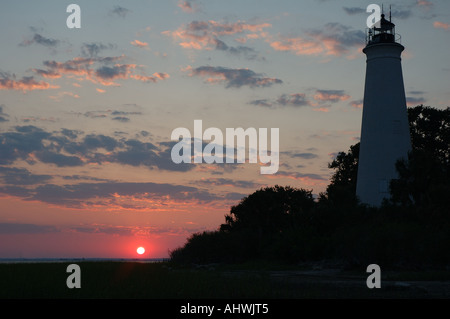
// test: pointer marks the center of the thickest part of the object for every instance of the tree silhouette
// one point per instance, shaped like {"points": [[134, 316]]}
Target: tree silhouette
{"points": [[268, 210], [285, 223], [424, 179], [430, 131], [342, 189]]}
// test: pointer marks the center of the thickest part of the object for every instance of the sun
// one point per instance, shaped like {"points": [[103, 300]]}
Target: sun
{"points": [[140, 250]]}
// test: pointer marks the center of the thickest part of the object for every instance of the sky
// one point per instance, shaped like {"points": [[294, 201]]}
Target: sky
{"points": [[86, 114]]}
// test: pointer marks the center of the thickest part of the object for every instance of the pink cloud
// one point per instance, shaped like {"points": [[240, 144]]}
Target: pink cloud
{"points": [[331, 95], [424, 3], [357, 104], [60, 95], [188, 6], [308, 179], [152, 78], [441, 25], [298, 45], [98, 70], [24, 84], [139, 44], [203, 35], [334, 39]]}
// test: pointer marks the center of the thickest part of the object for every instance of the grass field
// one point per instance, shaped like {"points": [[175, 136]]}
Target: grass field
{"points": [[134, 280]]}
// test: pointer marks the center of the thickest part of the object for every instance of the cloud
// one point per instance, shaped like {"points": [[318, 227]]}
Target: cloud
{"points": [[334, 39], [122, 119], [155, 77], [59, 160], [26, 83], [93, 49], [357, 104], [106, 229], [234, 78], [424, 3], [246, 51], [188, 6], [3, 115], [69, 148], [120, 11], [299, 176], [300, 99], [296, 99], [39, 39], [303, 155], [207, 35], [96, 141], [139, 44], [106, 75], [85, 177], [47, 74], [29, 119], [116, 115], [111, 193], [262, 102], [441, 25], [20, 228], [100, 70], [58, 97], [226, 182], [331, 96], [415, 92], [21, 176], [125, 113], [298, 45]]}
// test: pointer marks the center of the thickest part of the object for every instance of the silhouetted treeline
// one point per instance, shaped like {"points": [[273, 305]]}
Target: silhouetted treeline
{"points": [[287, 224]]}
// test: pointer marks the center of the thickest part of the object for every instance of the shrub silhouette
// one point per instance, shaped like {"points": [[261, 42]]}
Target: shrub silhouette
{"points": [[286, 224]]}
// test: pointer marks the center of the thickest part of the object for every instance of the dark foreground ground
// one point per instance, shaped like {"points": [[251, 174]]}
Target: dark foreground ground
{"points": [[117, 280]]}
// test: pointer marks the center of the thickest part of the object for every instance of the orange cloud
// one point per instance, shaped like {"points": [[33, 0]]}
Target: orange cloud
{"points": [[357, 104], [331, 95], [47, 74], [334, 39], [441, 25], [424, 3], [98, 70], [25, 84], [139, 44], [321, 109], [203, 35], [153, 78], [60, 95], [298, 45]]}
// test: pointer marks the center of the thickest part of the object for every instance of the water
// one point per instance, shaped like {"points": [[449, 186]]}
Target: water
{"points": [[74, 260]]}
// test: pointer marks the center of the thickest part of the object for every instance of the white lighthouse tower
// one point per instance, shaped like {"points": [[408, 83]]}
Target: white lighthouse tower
{"points": [[385, 136]]}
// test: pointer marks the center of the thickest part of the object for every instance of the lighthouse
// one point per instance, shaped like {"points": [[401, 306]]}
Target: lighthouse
{"points": [[385, 136]]}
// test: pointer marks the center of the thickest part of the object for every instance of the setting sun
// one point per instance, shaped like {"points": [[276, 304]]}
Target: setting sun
{"points": [[140, 250]]}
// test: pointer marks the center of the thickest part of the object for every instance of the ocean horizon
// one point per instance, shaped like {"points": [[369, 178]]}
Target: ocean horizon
{"points": [[78, 259]]}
